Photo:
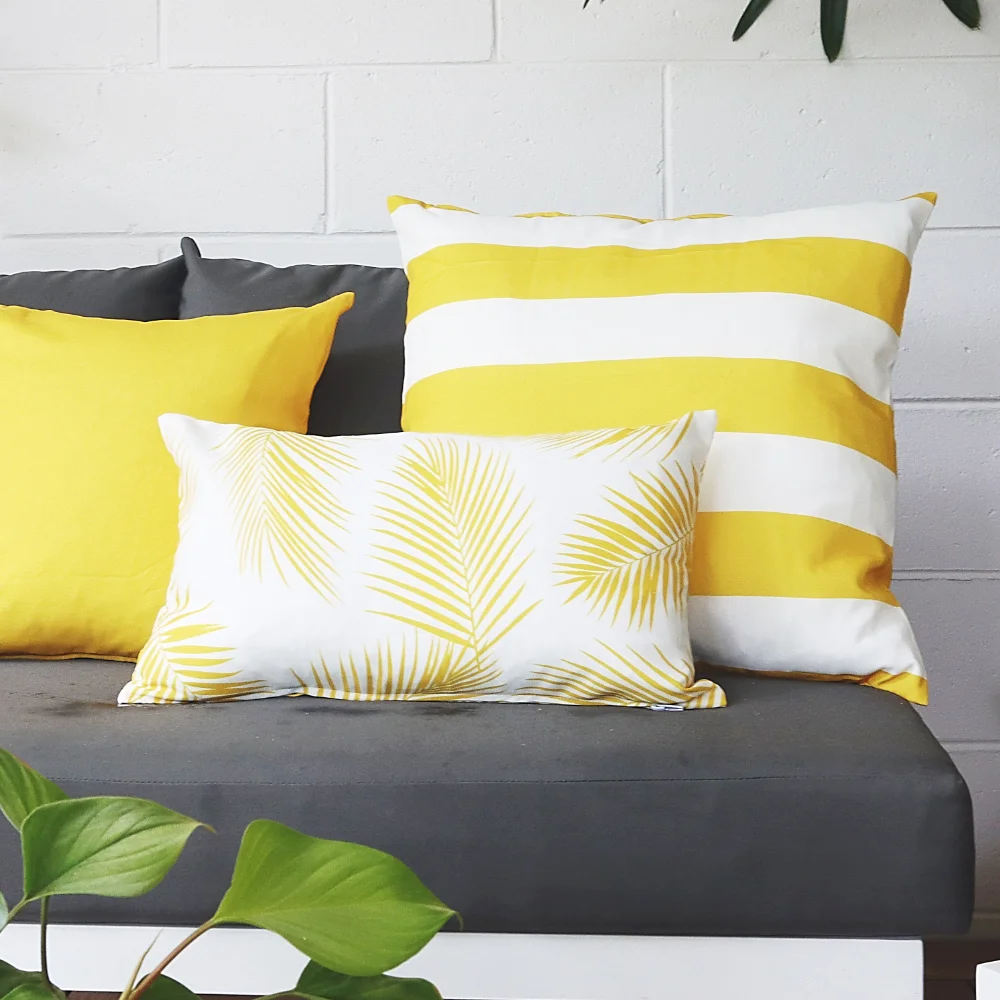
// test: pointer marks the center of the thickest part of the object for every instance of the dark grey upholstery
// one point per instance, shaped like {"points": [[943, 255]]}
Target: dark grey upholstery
{"points": [[804, 809], [142, 293], [361, 388]]}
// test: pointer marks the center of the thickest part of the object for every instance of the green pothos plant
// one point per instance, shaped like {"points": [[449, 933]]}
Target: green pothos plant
{"points": [[833, 20], [354, 912]]}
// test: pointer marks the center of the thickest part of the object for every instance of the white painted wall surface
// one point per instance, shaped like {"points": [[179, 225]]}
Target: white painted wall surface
{"points": [[273, 129]]}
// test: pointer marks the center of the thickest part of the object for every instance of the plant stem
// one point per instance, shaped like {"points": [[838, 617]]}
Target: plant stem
{"points": [[13, 912], [147, 981], [44, 936]]}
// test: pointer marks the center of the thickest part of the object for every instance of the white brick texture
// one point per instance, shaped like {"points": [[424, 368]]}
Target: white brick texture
{"points": [[497, 139], [950, 345], [954, 621], [155, 152], [43, 254], [759, 138], [376, 250], [949, 488], [77, 33], [324, 32]]}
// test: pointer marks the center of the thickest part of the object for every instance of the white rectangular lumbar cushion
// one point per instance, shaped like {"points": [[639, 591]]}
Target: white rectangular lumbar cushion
{"points": [[432, 567]]}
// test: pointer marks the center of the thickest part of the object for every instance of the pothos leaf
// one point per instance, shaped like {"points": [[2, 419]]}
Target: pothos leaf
{"points": [[967, 11], [832, 19], [754, 9], [22, 789]]}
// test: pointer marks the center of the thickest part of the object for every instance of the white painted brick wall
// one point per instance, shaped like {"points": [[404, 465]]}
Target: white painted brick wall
{"points": [[274, 131], [498, 138], [82, 33]]}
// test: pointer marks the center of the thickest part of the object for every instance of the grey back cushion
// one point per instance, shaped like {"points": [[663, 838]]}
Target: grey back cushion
{"points": [[142, 293], [361, 388]]}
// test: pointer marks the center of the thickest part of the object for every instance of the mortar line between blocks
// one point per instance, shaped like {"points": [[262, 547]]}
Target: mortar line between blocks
{"points": [[948, 575], [161, 18], [327, 154], [667, 192], [947, 403]]}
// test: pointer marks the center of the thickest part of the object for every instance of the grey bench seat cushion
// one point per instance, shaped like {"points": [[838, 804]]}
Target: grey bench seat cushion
{"points": [[804, 809]]}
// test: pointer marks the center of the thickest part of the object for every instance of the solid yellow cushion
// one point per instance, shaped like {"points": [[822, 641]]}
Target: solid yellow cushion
{"points": [[88, 492]]}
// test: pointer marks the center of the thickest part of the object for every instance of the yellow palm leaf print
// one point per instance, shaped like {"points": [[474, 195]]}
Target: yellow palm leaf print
{"points": [[616, 677], [452, 524], [285, 514], [636, 558], [621, 442], [177, 665], [436, 671]]}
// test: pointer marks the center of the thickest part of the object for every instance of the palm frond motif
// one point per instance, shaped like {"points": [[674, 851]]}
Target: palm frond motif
{"points": [[452, 524], [629, 442], [432, 671], [178, 665], [285, 514], [636, 558], [622, 677]]}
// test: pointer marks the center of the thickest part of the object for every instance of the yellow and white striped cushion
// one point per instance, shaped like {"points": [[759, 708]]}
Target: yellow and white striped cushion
{"points": [[787, 325]]}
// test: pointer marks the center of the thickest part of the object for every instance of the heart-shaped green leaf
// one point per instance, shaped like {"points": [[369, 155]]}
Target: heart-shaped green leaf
{"points": [[754, 9], [347, 907], [832, 20], [11, 978], [25, 985], [101, 847], [33, 991], [22, 789], [317, 983], [165, 988], [967, 11]]}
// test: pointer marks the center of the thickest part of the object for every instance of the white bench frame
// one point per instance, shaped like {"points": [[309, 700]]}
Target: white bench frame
{"points": [[243, 961]]}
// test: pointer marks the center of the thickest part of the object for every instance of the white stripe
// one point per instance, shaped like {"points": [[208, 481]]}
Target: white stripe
{"points": [[772, 325], [893, 224], [792, 475], [804, 635]]}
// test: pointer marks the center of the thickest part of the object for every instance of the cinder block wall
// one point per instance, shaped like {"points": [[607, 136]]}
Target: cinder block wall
{"points": [[274, 129]]}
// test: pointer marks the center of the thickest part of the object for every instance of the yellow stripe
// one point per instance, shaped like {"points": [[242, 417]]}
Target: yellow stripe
{"points": [[912, 687], [751, 395], [870, 277], [761, 554], [398, 201]]}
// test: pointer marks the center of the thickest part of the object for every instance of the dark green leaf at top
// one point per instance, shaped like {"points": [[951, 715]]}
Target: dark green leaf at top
{"points": [[754, 9], [22, 789], [832, 21], [967, 11]]}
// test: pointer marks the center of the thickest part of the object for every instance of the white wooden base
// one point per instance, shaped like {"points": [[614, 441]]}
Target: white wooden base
{"points": [[988, 981], [505, 966]]}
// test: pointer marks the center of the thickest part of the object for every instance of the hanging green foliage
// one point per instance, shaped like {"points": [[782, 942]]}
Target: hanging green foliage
{"points": [[833, 19]]}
